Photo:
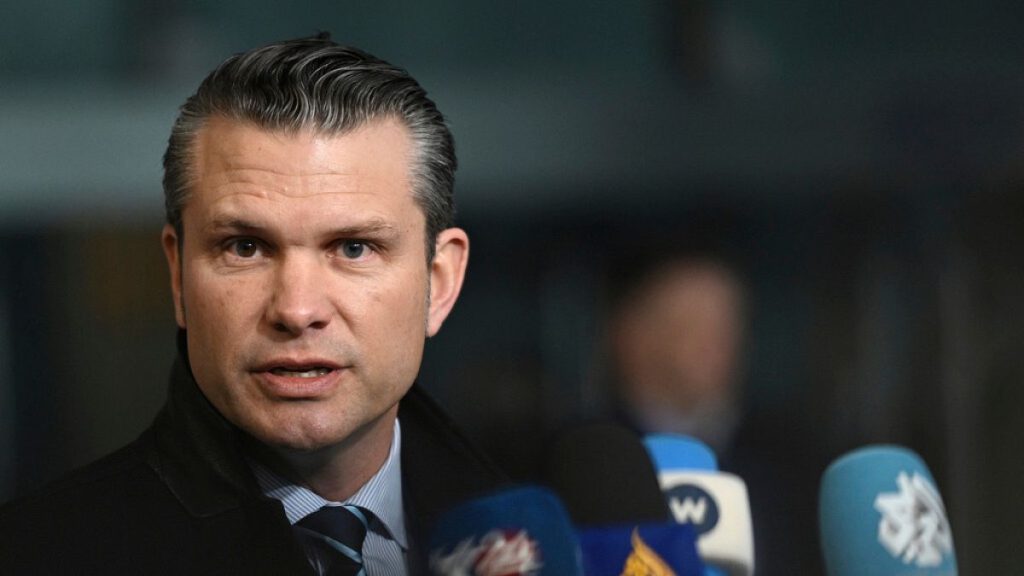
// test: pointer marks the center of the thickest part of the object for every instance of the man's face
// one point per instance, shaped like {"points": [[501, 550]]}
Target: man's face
{"points": [[302, 280], [681, 341]]}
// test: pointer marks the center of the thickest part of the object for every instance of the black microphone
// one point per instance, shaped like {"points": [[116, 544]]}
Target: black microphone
{"points": [[608, 483], [604, 476]]}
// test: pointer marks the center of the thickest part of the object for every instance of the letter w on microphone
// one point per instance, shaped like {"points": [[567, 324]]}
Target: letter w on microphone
{"points": [[716, 505]]}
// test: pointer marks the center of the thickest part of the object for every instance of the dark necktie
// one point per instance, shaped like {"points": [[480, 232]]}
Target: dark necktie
{"points": [[333, 538]]}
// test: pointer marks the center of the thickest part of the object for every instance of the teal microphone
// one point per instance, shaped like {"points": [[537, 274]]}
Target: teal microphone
{"points": [[881, 515]]}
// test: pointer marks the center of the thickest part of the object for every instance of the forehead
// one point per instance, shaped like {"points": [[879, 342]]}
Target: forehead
{"points": [[687, 291], [237, 162], [228, 143]]}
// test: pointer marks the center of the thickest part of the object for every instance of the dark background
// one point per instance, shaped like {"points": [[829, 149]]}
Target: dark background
{"points": [[861, 161]]}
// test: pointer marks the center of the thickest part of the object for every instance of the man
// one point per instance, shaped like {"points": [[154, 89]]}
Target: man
{"points": [[675, 341], [676, 338], [308, 191]]}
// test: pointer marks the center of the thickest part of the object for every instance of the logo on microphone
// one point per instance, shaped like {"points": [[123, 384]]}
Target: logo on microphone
{"points": [[913, 527], [498, 553], [644, 561], [691, 504]]}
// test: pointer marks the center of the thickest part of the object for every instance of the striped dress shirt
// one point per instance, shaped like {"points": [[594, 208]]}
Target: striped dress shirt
{"points": [[385, 548]]}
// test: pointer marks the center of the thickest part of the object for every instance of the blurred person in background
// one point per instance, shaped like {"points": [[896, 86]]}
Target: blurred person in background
{"points": [[676, 336]]}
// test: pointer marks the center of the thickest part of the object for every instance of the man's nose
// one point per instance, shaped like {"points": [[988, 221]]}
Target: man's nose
{"points": [[299, 301]]}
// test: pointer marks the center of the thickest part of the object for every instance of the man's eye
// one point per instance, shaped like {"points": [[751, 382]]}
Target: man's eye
{"points": [[244, 248], [353, 249]]}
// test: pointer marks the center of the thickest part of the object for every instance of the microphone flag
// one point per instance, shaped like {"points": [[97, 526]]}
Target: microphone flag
{"points": [[714, 503]]}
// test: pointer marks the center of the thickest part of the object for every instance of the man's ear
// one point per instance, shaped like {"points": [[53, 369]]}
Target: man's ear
{"points": [[447, 272], [169, 239]]}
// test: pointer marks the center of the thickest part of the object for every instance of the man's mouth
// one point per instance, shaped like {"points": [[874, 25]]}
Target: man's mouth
{"points": [[299, 378], [315, 372]]}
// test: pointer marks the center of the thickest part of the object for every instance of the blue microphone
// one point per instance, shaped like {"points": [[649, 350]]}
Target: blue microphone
{"points": [[678, 452], [522, 531], [881, 514]]}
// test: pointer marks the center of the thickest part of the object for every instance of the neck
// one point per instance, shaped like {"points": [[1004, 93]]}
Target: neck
{"points": [[712, 421]]}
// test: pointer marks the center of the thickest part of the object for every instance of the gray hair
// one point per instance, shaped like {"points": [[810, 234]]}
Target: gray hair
{"points": [[314, 83]]}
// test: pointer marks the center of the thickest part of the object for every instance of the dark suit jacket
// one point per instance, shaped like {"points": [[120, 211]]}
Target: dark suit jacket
{"points": [[182, 500]]}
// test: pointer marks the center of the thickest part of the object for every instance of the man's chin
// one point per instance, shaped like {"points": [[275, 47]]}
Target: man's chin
{"points": [[301, 443], [290, 435], [317, 436]]}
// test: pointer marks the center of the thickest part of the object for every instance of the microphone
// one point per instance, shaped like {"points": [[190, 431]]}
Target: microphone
{"points": [[641, 549], [714, 503], [523, 531], [881, 514], [607, 482], [604, 476]]}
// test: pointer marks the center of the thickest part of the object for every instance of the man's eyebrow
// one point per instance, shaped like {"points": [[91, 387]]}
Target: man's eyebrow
{"points": [[234, 224], [371, 227]]}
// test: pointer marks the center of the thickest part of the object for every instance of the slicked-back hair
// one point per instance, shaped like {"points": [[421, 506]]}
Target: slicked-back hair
{"points": [[316, 84]]}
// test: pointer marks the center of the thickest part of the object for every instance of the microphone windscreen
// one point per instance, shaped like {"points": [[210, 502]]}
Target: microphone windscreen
{"points": [[640, 549], [677, 452], [714, 503], [880, 513], [604, 476], [516, 532]]}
